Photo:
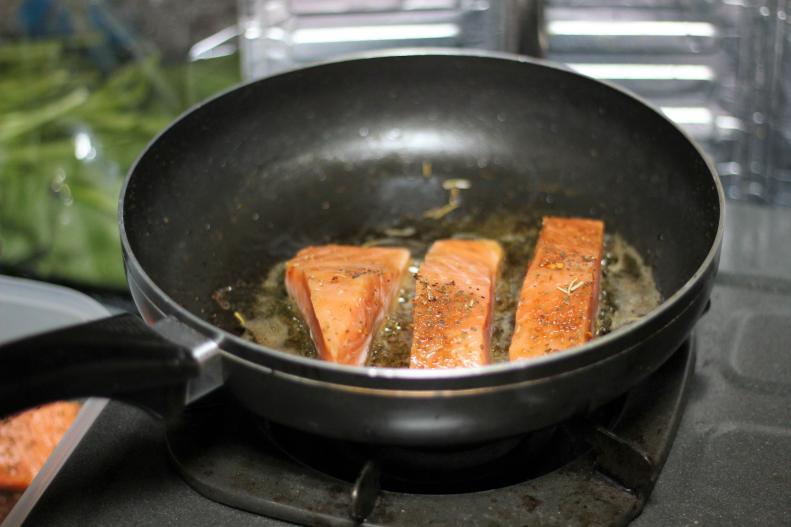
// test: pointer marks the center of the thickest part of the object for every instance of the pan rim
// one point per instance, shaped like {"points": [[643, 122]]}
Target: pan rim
{"points": [[313, 368], [428, 392]]}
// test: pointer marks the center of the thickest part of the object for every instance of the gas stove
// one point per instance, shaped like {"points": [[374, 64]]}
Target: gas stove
{"points": [[702, 441], [599, 468]]}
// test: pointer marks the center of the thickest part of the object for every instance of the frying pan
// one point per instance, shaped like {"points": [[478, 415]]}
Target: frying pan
{"points": [[247, 178]]}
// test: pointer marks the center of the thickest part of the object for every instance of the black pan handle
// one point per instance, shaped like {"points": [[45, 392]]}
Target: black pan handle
{"points": [[118, 357]]}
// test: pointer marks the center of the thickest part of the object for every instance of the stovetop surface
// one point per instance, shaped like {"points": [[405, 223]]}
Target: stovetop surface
{"points": [[588, 470], [727, 466]]}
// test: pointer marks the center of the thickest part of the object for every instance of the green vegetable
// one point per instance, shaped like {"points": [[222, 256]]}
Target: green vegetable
{"points": [[68, 135]]}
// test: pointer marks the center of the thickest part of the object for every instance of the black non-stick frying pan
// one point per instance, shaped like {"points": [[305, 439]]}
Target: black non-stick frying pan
{"points": [[317, 154]]}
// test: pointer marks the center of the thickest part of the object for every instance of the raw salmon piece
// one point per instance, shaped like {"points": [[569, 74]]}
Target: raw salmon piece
{"points": [[344, 293], [454, 298], [560, 293], [28, 439]]}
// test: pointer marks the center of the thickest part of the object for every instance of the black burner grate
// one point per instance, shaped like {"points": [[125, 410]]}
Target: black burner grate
{"points": [[474, 468], [593, 470]]}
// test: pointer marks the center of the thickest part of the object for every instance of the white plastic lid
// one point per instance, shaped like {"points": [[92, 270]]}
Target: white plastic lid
{"points": [[28, 307]]}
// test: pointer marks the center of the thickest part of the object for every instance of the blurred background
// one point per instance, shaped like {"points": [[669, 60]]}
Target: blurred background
{"points": [[85, 84]]}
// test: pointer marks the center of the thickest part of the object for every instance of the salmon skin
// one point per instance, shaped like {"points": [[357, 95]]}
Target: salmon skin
{"points": [[560, 293], [454, 299], [344, 294], [27, 440]]}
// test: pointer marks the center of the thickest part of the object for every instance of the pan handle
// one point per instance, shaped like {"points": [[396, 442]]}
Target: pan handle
{"points": [[119, 357]]}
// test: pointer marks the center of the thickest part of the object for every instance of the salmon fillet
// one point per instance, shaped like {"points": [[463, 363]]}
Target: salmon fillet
{"points": [[344, 294], [454, 299], [560, 293], [7, 501], [28, 439]]}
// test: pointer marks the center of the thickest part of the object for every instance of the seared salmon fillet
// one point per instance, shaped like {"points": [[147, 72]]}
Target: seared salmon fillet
{"points": [[560, 293], [454, 299], [344, 294], [27, 440]]}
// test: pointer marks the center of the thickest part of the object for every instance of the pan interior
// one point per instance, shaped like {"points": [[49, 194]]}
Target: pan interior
{"points": [[325, 153]]}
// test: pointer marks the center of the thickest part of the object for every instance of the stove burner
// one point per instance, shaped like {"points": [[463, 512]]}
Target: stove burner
{"points": [[597, 469], [472, 468]]}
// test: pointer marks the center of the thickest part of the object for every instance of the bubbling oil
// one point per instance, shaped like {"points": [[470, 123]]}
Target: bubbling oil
{"points": [[628, 289]]}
